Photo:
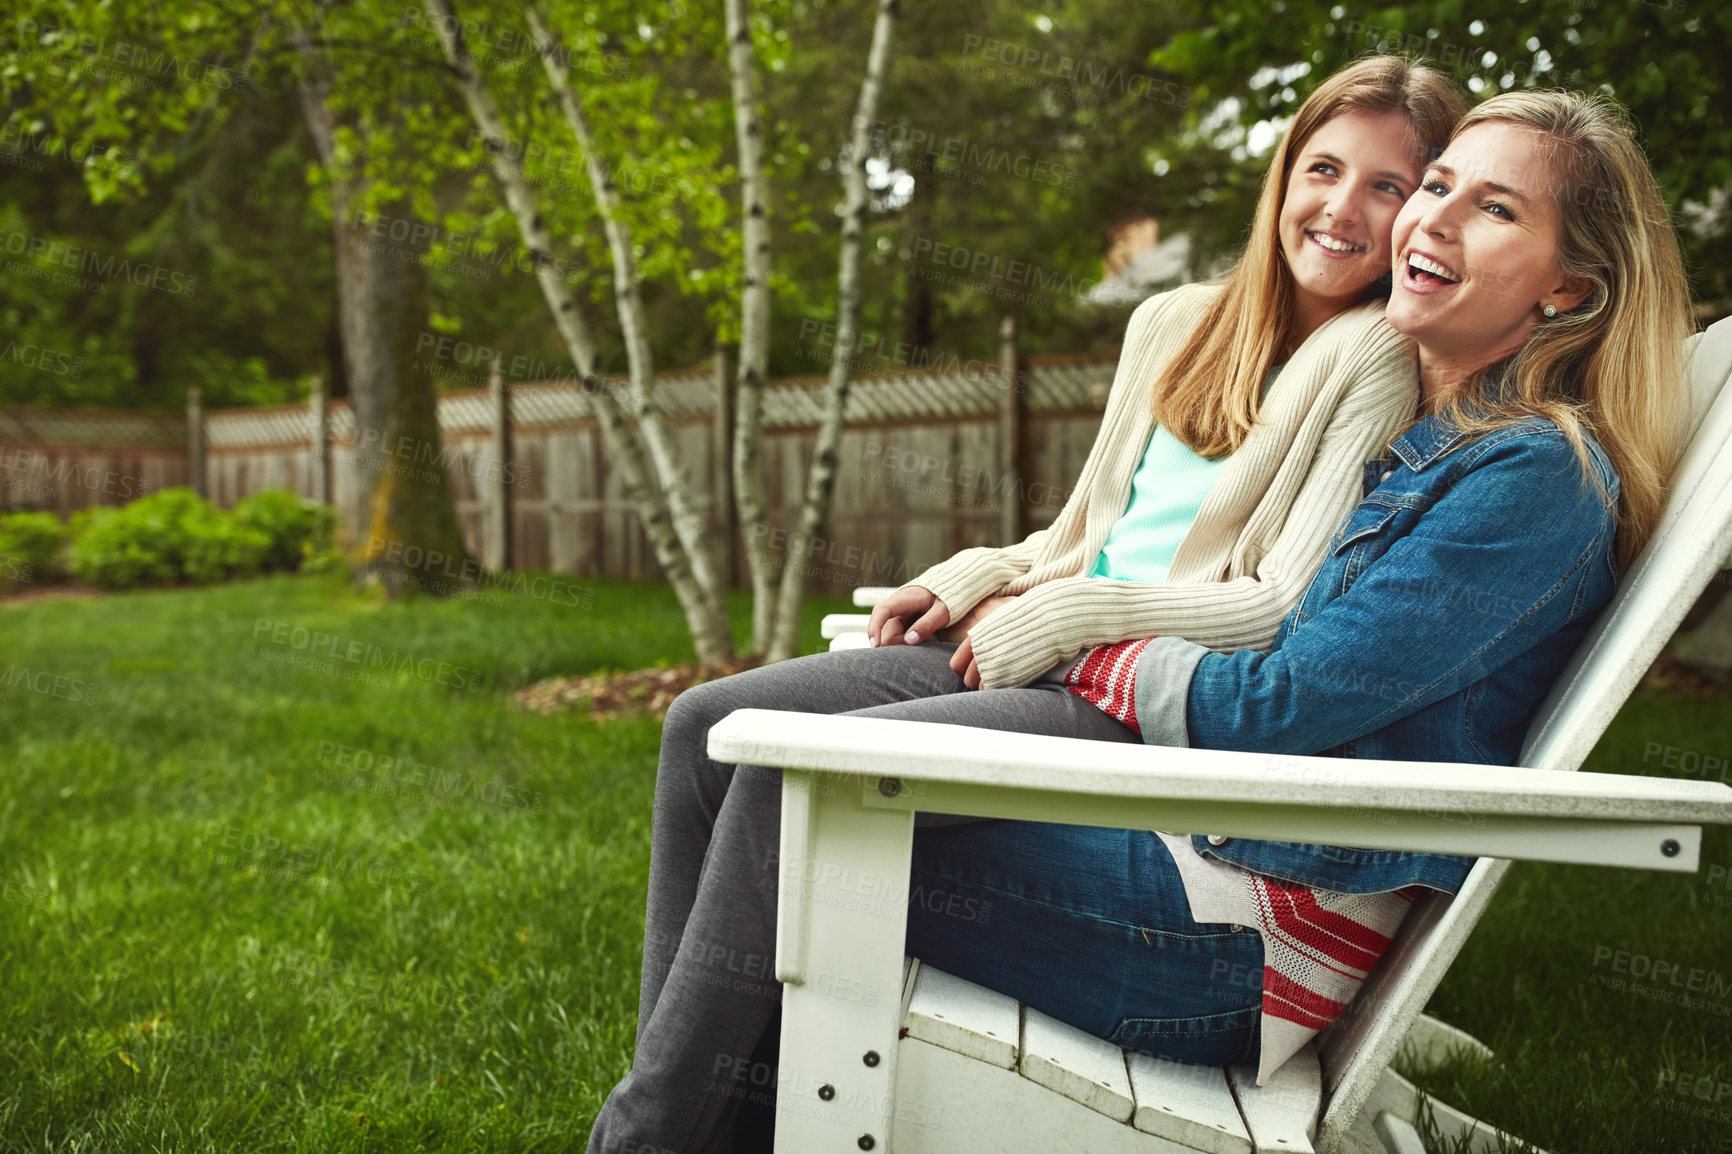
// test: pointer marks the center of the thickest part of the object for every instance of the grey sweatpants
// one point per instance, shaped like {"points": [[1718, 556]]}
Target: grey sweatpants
{"points": [[709, 986]]}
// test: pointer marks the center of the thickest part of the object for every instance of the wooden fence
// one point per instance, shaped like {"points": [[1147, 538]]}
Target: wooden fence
{"points": [[931, 462], [64, 461]]}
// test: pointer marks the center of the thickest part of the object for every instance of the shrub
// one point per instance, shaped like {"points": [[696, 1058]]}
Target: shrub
{"points": [[108, 550], [168, 536], [298, 529], [30, 545]]}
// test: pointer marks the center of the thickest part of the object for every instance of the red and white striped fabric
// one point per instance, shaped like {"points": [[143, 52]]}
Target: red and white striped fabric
{"points": [[1106, 676], [1318, 945], [1318, 948]]}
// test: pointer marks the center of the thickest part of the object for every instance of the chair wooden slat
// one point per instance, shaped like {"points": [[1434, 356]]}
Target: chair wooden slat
{"points": [[1191, 1105], [949, 1104], [964, 1018], [1281, 1116], [1430, 1043], [1080, 1066], [1399, 1135], [1397, 1098]]}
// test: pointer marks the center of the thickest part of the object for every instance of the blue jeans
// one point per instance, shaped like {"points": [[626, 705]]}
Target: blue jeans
{"points": [[1090, 926]]}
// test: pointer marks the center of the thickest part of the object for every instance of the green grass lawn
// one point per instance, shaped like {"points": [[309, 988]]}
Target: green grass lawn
{"points": [[222, 931]]}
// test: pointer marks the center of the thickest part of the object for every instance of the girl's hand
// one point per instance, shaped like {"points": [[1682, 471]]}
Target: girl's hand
{"points": [[965, 627], [910, 603], [963, 662]]}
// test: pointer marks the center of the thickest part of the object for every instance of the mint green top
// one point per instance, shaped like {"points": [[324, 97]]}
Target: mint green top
{"points": [[1167, 492]]}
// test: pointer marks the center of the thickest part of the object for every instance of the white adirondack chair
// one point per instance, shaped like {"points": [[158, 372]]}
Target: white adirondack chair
{"points": [[880, 1053]]}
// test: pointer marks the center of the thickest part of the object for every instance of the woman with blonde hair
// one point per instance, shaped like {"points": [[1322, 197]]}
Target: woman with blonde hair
{"points": [[1539, 277], [1235, 437]]}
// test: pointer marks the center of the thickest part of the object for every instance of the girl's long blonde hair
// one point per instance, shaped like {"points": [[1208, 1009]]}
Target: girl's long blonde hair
{"points": [[1208, 398], [1612, 366]]}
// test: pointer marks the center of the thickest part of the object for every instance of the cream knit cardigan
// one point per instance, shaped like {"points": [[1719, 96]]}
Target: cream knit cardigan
{"points": [[1259, 537]]}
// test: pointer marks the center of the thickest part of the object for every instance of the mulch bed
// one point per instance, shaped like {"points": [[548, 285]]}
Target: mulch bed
{"points": [[627, 694], [28, 594]]}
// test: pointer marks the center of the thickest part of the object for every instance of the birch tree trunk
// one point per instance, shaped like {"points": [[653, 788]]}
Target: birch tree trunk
{"points": [[821, 479], [709, 626], [749, 491], [689, 520]]}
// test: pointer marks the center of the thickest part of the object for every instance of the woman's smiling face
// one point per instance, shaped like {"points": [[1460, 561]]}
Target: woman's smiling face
{"points": [[1346, 187], [1476, 248]]}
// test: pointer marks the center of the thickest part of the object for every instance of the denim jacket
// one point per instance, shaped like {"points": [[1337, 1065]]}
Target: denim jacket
{"points": [[1449, 601]]}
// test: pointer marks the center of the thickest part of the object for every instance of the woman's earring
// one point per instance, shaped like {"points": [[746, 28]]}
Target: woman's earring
{"points": [[1551, 310]]}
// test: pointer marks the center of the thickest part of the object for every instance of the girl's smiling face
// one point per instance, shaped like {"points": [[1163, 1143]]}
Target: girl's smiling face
{"points": [[1344, 192]]}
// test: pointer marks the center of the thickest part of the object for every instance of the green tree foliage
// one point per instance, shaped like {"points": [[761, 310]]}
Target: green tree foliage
{"points": [[147, 234], [1663, 59], [216, 178], [1012, 135]]}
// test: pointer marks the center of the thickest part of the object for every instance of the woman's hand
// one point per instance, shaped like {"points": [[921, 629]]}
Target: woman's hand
{"points": [[961, 630], [913, 603], [963, 662]]}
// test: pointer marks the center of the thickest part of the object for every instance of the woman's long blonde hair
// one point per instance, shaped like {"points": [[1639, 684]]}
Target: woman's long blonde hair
{"points": [[1612, 366], [1208, 398]]}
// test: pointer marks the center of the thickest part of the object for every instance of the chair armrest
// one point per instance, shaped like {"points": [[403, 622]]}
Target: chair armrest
{"points": [[836, 624], [1440, 807], [867, 596], [880, 747]]}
